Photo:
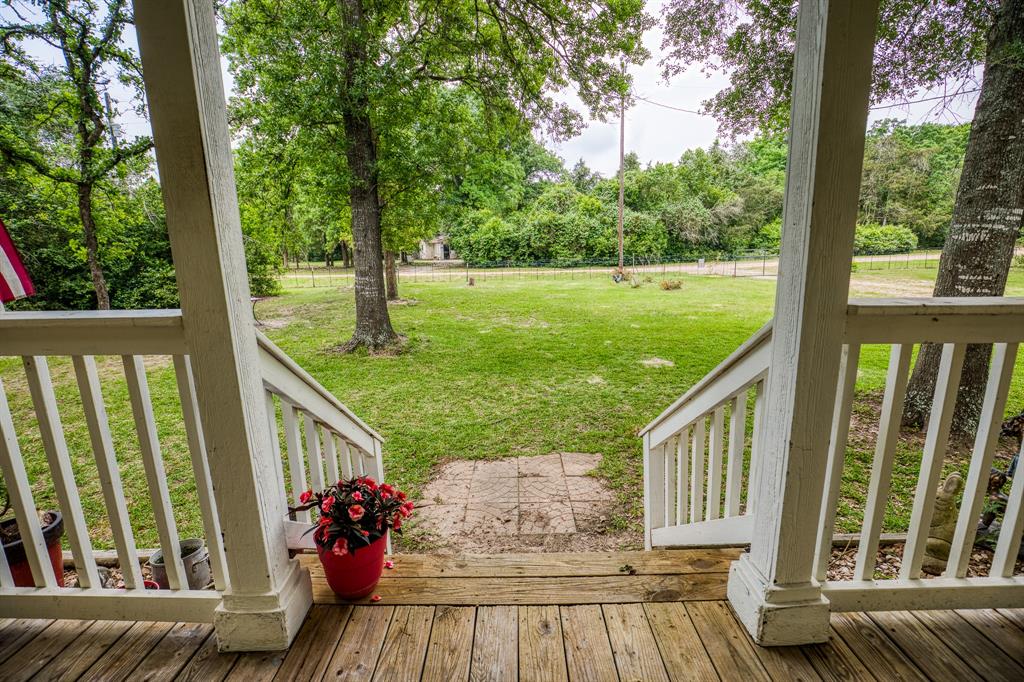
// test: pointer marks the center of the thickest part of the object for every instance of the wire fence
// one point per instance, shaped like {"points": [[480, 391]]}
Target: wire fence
{"points": [[752, 263]]}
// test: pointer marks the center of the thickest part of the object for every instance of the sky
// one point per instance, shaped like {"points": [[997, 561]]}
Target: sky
{"points": [[655, 133]]}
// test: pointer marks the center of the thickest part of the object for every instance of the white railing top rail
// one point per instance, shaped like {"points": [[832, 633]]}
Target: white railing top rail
{"points": [[306, 392], [92, 332], [752, 351], [968, 319]]}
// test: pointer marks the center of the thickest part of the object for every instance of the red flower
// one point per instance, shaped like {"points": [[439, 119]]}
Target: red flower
{"points": [[369, 483], [305, 496], [355, 512], [386, 491], [340, 547], [357, 496], [365, 533], [327, 504], [389, 564], [325, 520], [400, 496], [405, 510], [397, 522], [375, 597]]}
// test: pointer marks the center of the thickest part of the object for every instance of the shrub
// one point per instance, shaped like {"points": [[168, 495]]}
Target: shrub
{"points": [[873, 238], [671, 284]]}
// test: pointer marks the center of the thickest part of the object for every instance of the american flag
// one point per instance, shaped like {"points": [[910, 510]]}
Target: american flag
{"points": [[14, 280]]}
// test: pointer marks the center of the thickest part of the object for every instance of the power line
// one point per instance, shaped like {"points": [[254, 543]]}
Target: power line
{"points": [[926, 99], [880, 106], [668, 106]]}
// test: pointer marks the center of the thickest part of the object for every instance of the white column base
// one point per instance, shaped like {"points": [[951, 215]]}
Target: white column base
{"points": [[776, 616], [264, 622]]}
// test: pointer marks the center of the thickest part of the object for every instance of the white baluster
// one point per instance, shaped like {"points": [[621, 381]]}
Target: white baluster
{"points": [[881, 467], [714, 499], [657, 469], [737, 444], [344, 451], [936, 440], [668, 451], [275, 443], [1013, 526], [697, 472], [201, 470], [682, 475], [755, 447], [20, 490], [52, 431], [316, 468], [107, 469], [152, 461], [993, 405], [330, 456], [837, 455], [296, 468]]}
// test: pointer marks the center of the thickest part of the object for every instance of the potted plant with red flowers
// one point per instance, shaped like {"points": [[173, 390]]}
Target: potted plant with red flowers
{"points": [[354, 517], [14, 549]]}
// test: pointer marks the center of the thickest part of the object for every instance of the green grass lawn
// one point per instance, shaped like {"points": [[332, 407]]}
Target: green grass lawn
{"points": [[504, 368]]}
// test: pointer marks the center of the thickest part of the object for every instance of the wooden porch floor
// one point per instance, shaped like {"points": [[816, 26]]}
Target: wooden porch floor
{"points": [[622, 616]]}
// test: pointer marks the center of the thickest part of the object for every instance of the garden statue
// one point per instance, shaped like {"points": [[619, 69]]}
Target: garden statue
{"points": [[940, 532]]}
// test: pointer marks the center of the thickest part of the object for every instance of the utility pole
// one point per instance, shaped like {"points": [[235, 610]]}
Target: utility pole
{"points": [[110, 120], [622, 167]]}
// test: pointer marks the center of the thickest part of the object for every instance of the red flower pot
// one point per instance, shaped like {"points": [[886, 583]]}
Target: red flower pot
{"points": [[15, 552], [353, 576]]}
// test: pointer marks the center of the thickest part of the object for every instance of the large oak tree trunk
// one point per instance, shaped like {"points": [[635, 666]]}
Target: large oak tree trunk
{"points": [[373, 325], [987, 217], [92, 246], [391, 275]]}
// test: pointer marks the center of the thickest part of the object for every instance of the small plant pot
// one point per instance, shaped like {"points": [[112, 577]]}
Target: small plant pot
{"points": [[15, 551], [196, 560], [353, 576]]}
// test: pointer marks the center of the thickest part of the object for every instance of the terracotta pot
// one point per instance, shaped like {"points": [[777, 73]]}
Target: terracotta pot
{"points": [[15, 552], [353, 576]]}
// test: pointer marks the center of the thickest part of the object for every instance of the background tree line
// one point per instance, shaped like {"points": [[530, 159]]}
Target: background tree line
{"points": [[723, 199]]}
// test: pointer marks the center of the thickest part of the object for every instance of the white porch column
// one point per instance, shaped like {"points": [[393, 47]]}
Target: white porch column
{"points": [[269, 594], [772, 588]]}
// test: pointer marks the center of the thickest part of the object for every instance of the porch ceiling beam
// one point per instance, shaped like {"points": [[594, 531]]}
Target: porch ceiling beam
{"points": [[772, 588]]}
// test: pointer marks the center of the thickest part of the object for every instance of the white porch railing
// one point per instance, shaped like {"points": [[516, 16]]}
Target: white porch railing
{"points": [[331, 436], [685, 453], [331, 443], [674, 449], [133, 335]]}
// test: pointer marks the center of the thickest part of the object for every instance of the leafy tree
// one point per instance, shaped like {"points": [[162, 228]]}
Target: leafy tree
{"points": [[360, 73], [51, 119], [920, 44]]}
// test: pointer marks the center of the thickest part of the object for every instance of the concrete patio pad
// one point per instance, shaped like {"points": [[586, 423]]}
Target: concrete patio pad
{"points": [[542, 503]]}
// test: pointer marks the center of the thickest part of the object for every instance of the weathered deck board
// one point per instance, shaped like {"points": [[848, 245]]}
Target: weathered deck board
{"points": [[875, 650], [405, 646], [927, 651], [681, 649], [999, 631], [728, 645], [636, 650], [972, 646], [311, 651], [451, 644], [496, 645], [541, 652], [611, 589], [588, 653], [79, 656], [118, 662], [606, 639], [355, 658], [556, 564], [42, 649]]}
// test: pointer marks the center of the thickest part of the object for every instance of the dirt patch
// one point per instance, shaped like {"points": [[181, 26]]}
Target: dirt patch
{"points": [[657, 362], [273, 323]]}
